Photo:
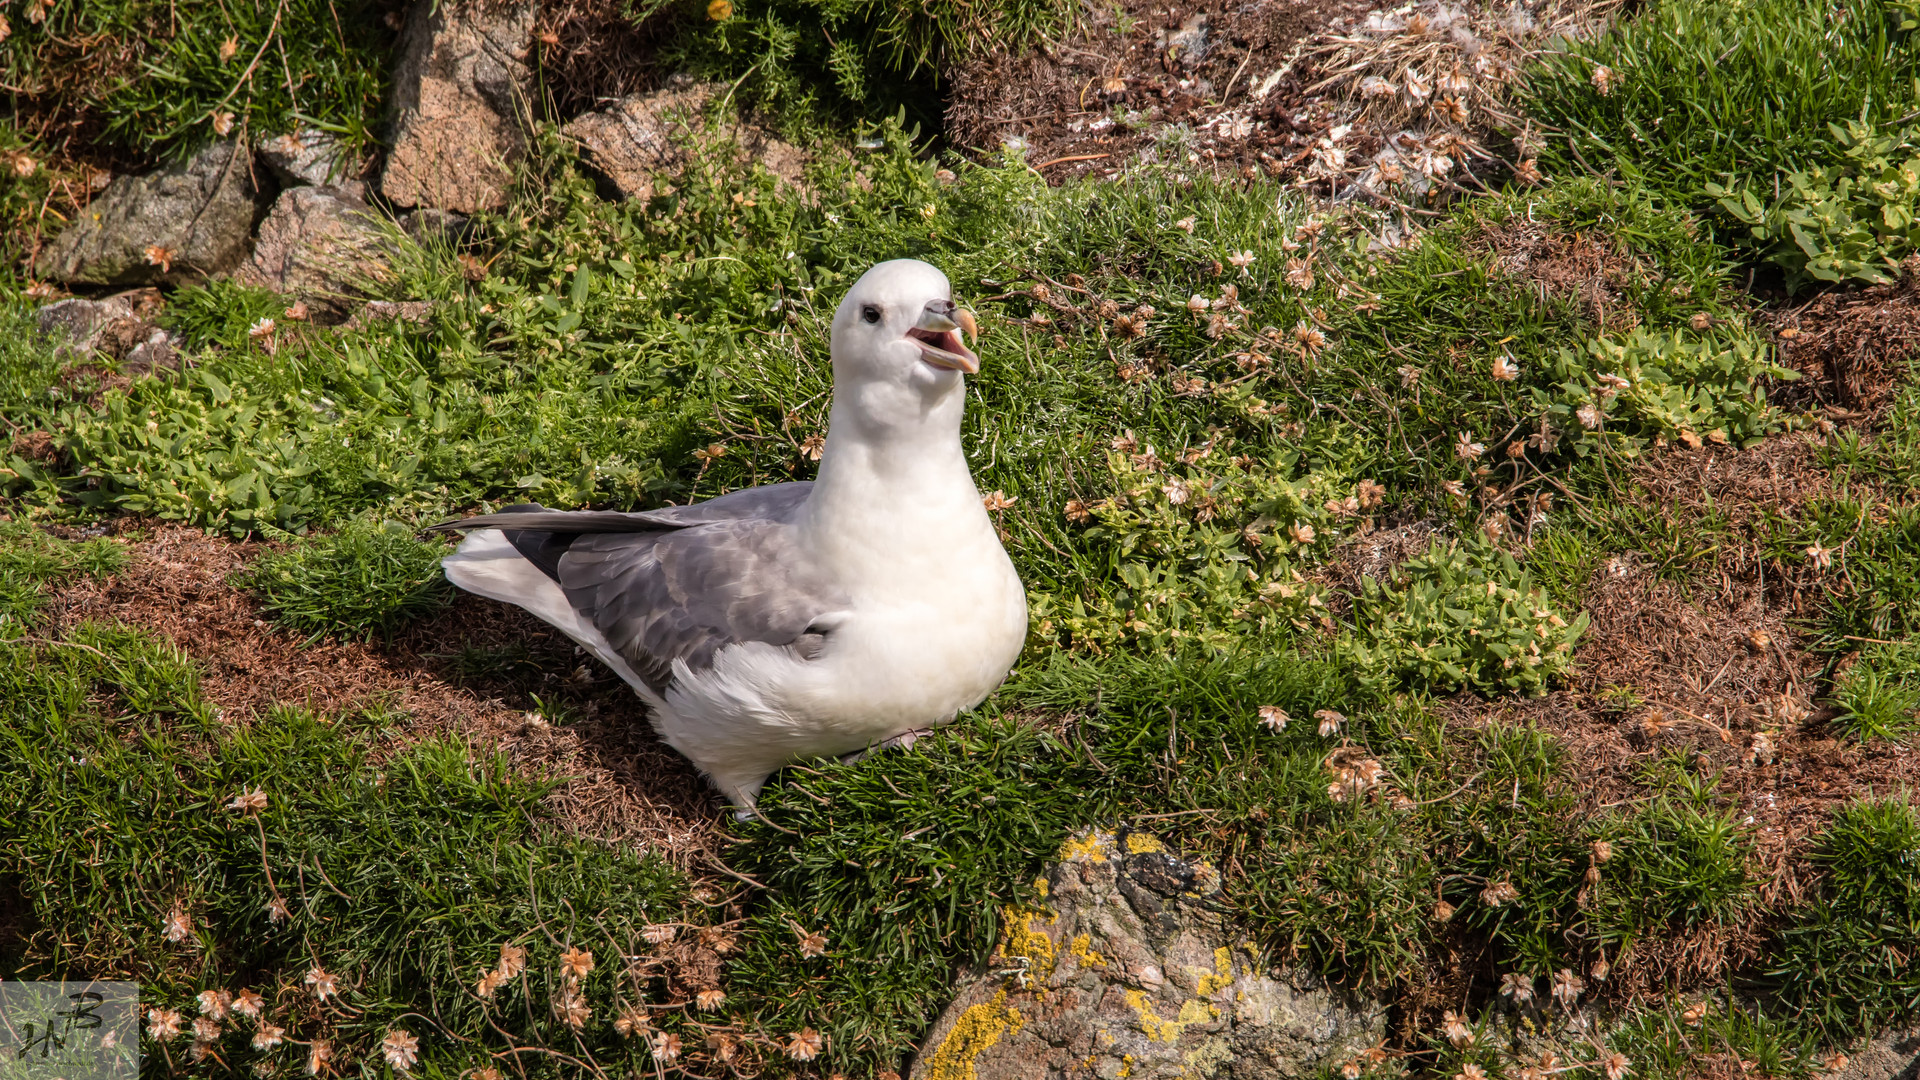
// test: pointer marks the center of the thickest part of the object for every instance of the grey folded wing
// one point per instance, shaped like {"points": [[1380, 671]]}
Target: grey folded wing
{"points": [[681, 584], [686, 594]]}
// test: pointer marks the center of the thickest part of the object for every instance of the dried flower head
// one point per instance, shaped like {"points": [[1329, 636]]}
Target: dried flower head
{"points": [[214, 1003], [1197, 304], [1590, 416], [249, 802], [1466, 449], [324, 984], [1835, 1063], [249, 1004], [1301, 532], [1499, 893], [163, 1024], [160, 256], [1567, 987], [632, 1020], [1822, 556], [401, 1049], [1350, 1071], [262, 327], [1694, 1014], [813, 446], [513, 960], [222, 122], [571, 1009], [277, 912], [665, 1045], [176, 927], [1603, 79], [1527, 171], [1455, 1028], [1600, 970], [319, 1054], [1470, 1071], [813, 944], [1517, 986], [1186, 224], [1601, 850], [1442, 912], [1505, 369], [1176, 491], [1300, 273], [576, 963], [710, 1000], [1240, 260], [1330, 722], [268, 1037], [1310, 337], [1615, 1065], [1274, 717], [1410, 375], [805, 1044], [489, 983], [228, 47]]}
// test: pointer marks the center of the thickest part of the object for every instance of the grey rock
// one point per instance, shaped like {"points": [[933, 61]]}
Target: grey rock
{"points": [[642, 141], [1131, 971], [309, 156], [1189, 43], [1895, 1055], [320, 245], [416, 312], [428, 225], [182, 223], [112, 325], [459, 93]]}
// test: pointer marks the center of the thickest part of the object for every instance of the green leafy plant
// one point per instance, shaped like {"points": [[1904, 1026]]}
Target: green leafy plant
{"points": [[1688, 93], [1853, 221], [1462, 617], [364, 580], [1669, 385]]}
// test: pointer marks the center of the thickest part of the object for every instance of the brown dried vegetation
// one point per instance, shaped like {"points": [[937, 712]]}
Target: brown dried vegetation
{"points": [[621, 784]]}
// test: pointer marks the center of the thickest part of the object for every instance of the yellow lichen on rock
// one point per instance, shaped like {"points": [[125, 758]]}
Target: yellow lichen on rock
{"points": [[1090, 846], [978, 1028], [1140, 843], [1159, 1029], [1206, 983], [1083, 951], [1030, 942], [1040, 886]]}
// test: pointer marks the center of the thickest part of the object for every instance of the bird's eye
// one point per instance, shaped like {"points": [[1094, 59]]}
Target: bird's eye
{"points": [[870, 313]]}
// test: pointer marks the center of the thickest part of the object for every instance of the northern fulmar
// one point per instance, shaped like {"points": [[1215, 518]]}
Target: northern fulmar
{"points": [[812, 619]]}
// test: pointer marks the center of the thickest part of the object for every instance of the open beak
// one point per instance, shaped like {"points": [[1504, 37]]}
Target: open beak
{"points": [[938, 333]]}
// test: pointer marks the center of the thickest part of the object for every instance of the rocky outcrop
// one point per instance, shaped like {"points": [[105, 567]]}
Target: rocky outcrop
{"points": [[1895, 1055], [321, 245], [309, 156], [116, 328], [637, 142], [1128, 970], [182, 223], [459, 92]]}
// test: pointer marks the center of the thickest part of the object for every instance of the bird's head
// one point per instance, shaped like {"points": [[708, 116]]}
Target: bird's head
{"points": [[898, 325]]}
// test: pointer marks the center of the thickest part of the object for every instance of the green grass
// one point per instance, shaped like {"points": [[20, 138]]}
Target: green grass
{"points": [[31, 559], [147, 78], [1844, 960], [362, 581], [404, 869]]}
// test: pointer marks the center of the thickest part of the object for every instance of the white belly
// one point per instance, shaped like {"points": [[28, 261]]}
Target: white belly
{"points": [[885, 670]]}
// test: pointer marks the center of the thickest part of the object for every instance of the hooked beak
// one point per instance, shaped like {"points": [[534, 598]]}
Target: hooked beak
{"points": [[938, 333]]}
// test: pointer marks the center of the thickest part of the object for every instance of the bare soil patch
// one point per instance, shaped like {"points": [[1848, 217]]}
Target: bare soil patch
{"points": [[470, 672], [1849, 345], [1199, 66]]}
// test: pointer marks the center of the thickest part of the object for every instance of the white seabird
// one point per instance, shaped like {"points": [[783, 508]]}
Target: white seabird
{"points": [[800, 620]]}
